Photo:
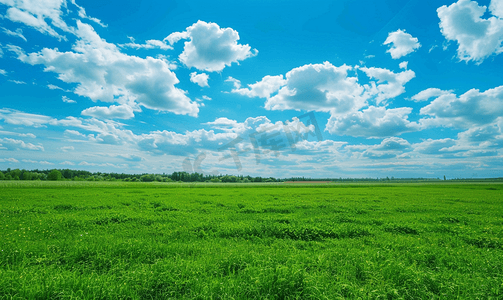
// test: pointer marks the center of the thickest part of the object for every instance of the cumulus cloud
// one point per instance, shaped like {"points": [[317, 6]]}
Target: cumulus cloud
{"points": [[225, 124], [477, 38], [12, 144], [103, 73], [391, 147], [434, 147], [428, 94], [496, 8], [403, 65], [68, 100], [470, 109], [200, 79], [36, 13], [168, 142], [210, 48], [401, 43], [112, 112], [111, 139], [324, 87], [392, 144], [3, 72], [490, 134], [389, 84], [320, 87], [262, 89], [373, 122]]}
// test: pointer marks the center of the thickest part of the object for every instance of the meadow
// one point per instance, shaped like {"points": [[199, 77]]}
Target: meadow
{"points": [[117, 240]]}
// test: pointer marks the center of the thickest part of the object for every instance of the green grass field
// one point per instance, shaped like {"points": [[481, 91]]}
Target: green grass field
{"points": [[73, 240]]}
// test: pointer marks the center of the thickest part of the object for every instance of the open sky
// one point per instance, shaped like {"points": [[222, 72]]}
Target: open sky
{"points": [[350, 88]]}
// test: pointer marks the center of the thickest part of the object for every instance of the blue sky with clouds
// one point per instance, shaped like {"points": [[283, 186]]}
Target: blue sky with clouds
{"points": [[271, 88]]}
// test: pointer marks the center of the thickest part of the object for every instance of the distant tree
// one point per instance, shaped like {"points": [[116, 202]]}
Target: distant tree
{"points": [[147, 178], [54, 175], [16, 174], [27, 175], [2, 176]]}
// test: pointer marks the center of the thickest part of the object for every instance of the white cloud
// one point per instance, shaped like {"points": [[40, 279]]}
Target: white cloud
{"points": [[67, 148], [434, 147], [30, 135], [18, 33], [429, 93], [54, 87], [235, 82], [392, 147], [470, 109], [403, 65], [73, 132], [17, 81], [11, 160], [402, 43], [110, 139], [226, 125], [112, 112], [489, 134], [83, 15], [392, 144], [210, 48], [262, 89], [477, 38], [34, 13], [68, 100], [3, 72], [320, 87], [103, 73], [131, 157], [496, 8], [20, 118], [389, 84], [324, 87], [67, 163], [373, 122], [200, 79], [37, 162], [12, 144], [149, 44]]}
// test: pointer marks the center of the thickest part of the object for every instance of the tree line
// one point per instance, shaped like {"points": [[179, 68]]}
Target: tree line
{"points": [[81, 175]]}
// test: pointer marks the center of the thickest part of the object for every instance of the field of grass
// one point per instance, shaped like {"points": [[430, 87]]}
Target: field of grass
{"points": [[74, 240]]}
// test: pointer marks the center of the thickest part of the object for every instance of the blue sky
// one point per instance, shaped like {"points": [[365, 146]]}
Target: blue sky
{"points": [[271, 88]]}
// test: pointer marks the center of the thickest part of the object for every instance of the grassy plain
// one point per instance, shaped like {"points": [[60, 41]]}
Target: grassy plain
{"points": [[74, 240]]}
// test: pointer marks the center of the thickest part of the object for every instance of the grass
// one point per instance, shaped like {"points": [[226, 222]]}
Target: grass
{"points": [[87, 240]]}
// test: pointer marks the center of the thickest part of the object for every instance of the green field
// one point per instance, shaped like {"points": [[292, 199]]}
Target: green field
{"points": [[74, 240]]}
